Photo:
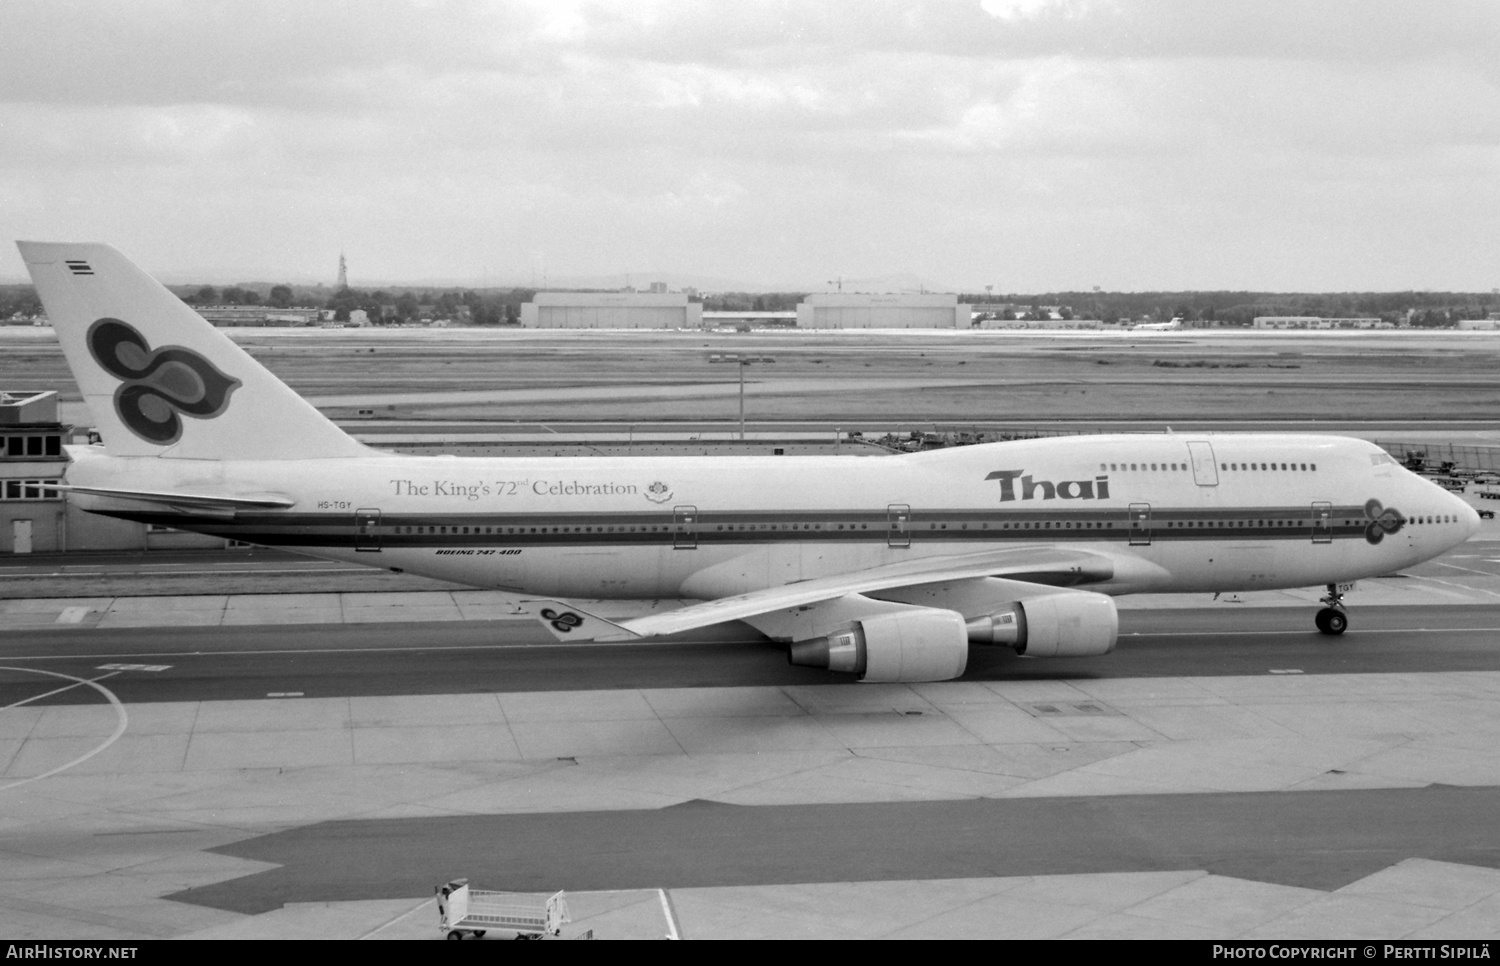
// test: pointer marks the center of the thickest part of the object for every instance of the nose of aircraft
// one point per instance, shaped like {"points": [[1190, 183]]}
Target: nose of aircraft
{"points": [[1467, 516]]}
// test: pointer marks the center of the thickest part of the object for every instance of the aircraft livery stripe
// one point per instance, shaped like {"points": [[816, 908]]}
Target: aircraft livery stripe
{"points": [[707, 528]]}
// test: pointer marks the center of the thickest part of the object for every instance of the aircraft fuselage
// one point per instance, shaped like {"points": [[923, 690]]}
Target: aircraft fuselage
{"points": [[1175, 512]]}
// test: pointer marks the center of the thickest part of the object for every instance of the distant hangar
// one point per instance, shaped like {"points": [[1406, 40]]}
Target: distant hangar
{"points": [[675, 310], [612, 310], [857, 311]]}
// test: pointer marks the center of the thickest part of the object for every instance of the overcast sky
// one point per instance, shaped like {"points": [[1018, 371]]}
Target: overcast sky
{"points": [[1026, 144]]}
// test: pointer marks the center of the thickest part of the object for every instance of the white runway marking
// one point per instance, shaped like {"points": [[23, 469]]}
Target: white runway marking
{"points": [[120, 725], [1461, 587], [1373, 630], [648, 642], [423, 904], [666, 908], [1467, 570]]}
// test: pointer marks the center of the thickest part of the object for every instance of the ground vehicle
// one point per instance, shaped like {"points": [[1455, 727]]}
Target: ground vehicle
{"points": [[464, 912]]}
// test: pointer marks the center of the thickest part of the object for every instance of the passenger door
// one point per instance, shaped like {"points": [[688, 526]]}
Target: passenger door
{"points": [[1322, 523], [898, 525], [685, 527], [1140, 524], [367, 530]]}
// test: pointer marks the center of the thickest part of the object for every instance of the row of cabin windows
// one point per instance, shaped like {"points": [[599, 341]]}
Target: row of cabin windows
{"points": [[1137, 467], [33, 486], [19, 447], [619, 529], [1183, 467], [524, 530], [1037, 525], [1425, 519], [1032, 525], [624, 529], [30, 490], [1210, 524], [1303, 467]]}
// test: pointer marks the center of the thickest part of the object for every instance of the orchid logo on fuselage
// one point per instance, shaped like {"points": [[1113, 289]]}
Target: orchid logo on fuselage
{"points": [[1031, 489], [157, 385], [1383, 520]]}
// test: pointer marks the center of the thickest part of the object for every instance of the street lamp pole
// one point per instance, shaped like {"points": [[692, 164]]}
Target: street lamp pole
{"points": [[741, 367], [740, 362]]}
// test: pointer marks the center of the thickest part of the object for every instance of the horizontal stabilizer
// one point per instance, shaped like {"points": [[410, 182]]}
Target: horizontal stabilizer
{"points": [[266, 501]]}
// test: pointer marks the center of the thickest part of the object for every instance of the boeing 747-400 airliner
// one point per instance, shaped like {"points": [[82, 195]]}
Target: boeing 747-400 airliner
{"points": [[887, 568]]}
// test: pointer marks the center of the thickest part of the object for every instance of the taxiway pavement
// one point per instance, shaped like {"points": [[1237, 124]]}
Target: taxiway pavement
{"points": [[1226, 773]]}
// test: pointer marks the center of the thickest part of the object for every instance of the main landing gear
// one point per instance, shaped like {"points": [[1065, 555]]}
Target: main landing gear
{"points": [[1331, 619]]}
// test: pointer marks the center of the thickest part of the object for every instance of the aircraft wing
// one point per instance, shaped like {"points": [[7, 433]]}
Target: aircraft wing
{"points": [[1046, 565]]}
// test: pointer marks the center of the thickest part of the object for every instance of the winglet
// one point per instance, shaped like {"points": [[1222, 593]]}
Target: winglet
{"points": [[569, 622]]}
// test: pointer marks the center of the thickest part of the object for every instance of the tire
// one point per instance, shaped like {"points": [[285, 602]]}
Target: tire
{"points": [[455, 934], [1321, 620], [1336, 623]]}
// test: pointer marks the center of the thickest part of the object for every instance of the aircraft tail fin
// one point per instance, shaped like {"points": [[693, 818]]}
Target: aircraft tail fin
{"points": [[159, 380]]}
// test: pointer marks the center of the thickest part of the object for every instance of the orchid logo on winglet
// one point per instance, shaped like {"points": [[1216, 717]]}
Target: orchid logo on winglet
{"points": [[157, 384], [563, 623]]}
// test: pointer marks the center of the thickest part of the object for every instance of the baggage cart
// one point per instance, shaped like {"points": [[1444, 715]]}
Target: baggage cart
{"points": [[465, 912]]}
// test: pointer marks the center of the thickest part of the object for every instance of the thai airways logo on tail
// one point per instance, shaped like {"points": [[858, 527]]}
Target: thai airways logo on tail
{"points": [[157, 385]]}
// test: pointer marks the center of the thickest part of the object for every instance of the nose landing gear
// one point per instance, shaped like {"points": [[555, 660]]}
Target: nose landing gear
{"points": [[1331, 619]]}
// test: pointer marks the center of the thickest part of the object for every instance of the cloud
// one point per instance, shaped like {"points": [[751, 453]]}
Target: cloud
{"points": [[1036, 140]]}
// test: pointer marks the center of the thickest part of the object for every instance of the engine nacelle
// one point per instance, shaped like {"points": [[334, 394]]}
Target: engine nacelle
{"points": [[1055, 625], [923, 644]]}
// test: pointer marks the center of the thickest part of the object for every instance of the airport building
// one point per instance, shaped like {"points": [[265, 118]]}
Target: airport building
{"points": [[1317, 322], [612, 310], [35, 516], [257, 315], [841, 311]]}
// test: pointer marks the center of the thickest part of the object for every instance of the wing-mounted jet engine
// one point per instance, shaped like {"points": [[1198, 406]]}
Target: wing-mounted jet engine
{"points": [[915, 644]]}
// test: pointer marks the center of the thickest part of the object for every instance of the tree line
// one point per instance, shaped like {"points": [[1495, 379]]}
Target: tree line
{"points": [[503, 306], [1427, 309]]}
